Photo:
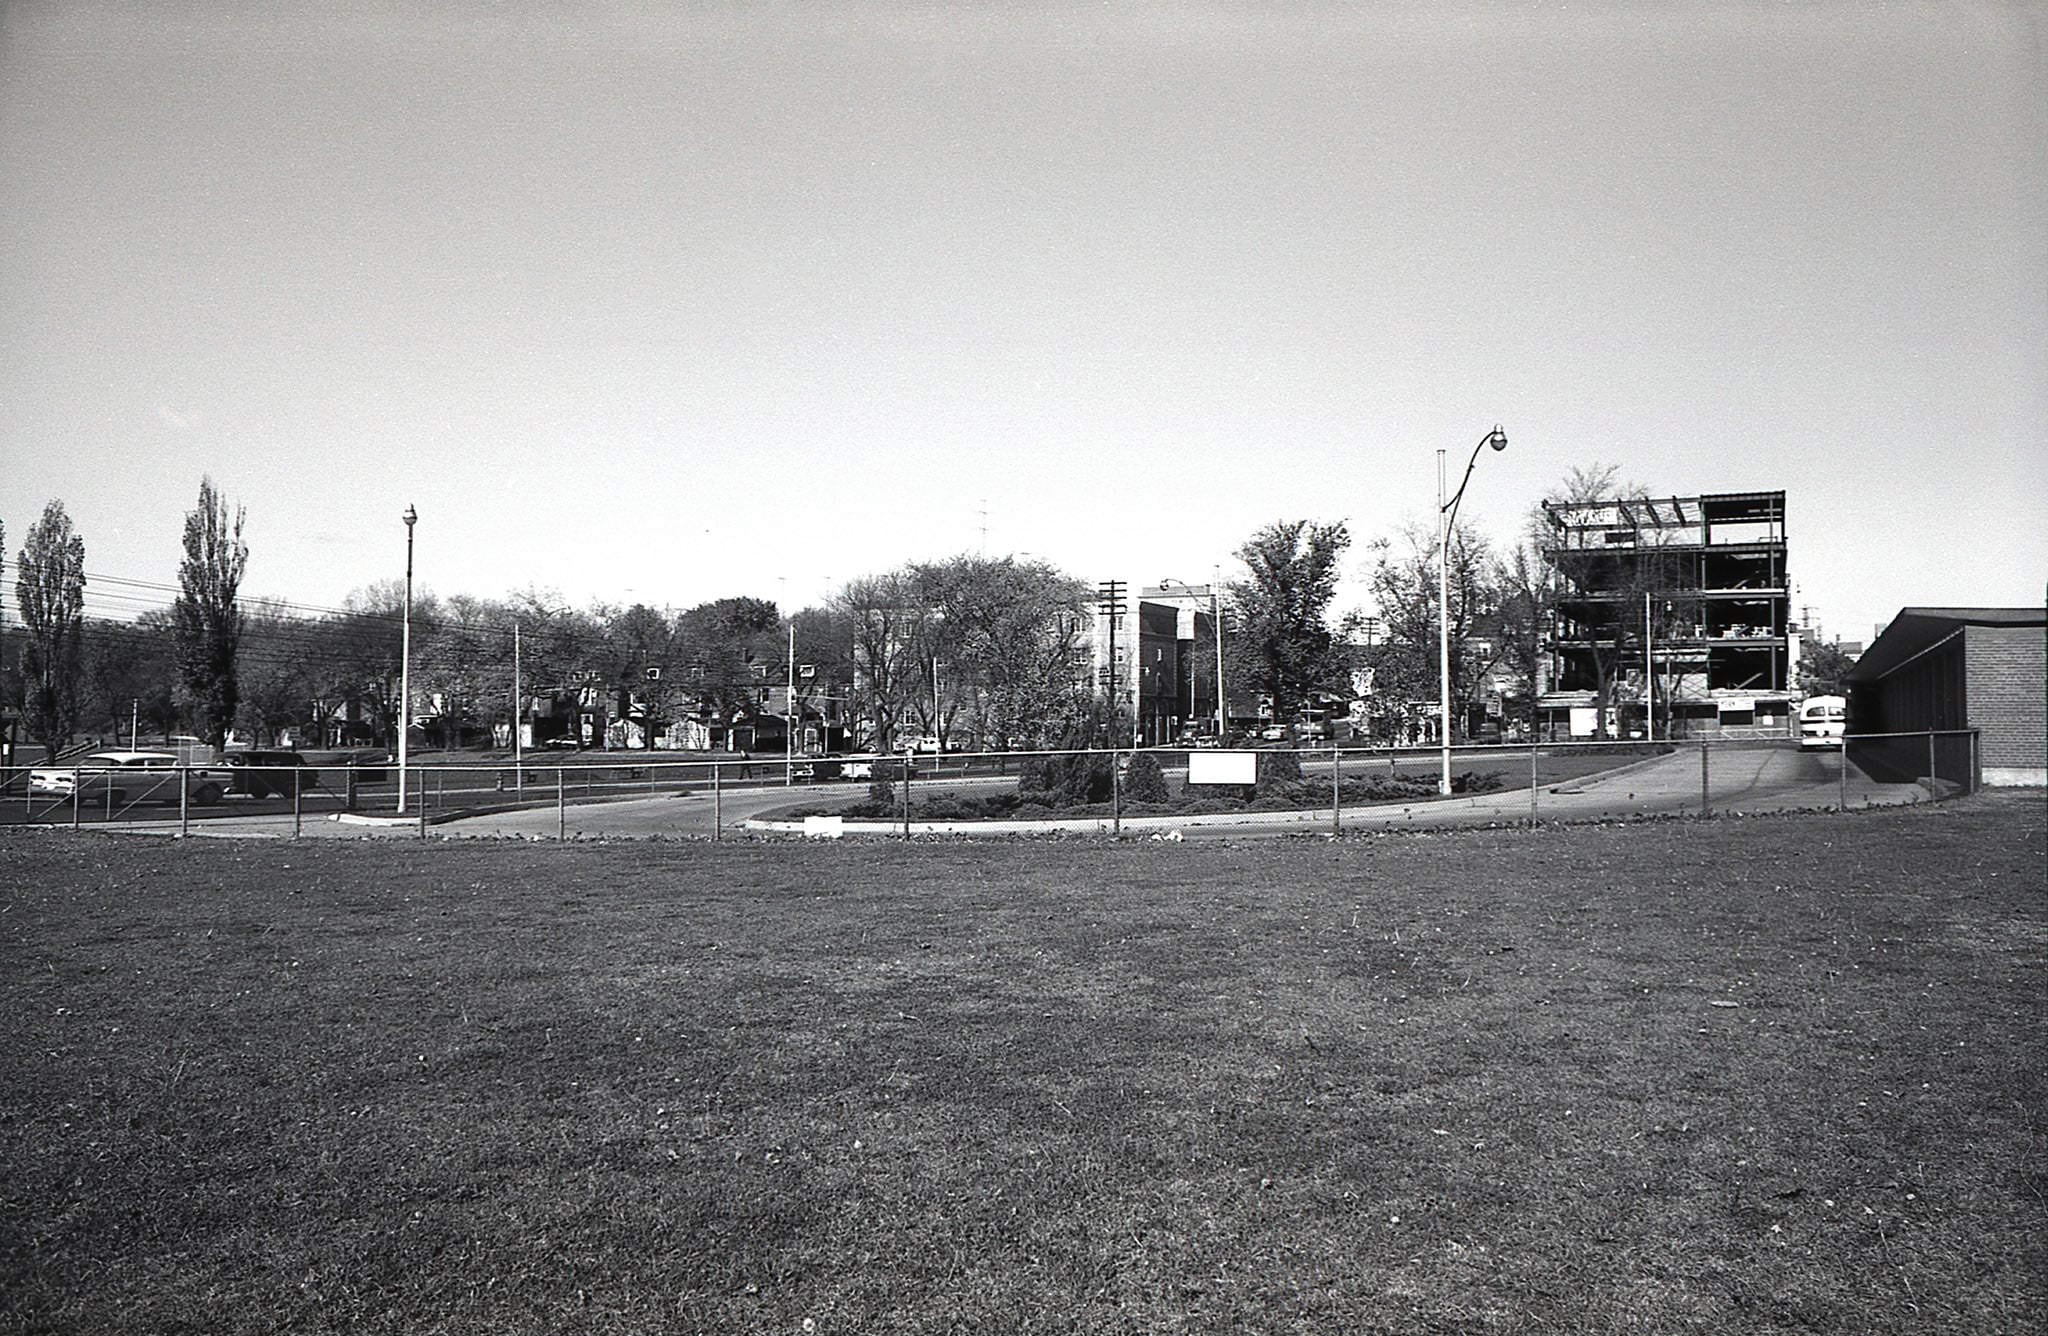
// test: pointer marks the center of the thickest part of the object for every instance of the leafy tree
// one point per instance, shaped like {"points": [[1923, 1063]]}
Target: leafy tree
{"points": [[727, 651], [1405, 661], [207, 617], [1823, 668], [1527, 590], [49, 588], [1011, 639], [1284, 644]]}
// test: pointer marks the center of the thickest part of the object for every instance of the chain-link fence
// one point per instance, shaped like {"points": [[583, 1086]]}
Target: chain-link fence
{"points": [[1170, 792]]}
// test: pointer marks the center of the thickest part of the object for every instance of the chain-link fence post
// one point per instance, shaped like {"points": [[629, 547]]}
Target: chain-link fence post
{"points": [[1116, 793], [1932, 791], [298, 790], [1533, 750], [717, 803], [77, 783], [184, 801], [423, 804], [1336, 800], [1842, 778], [1706, 805]]}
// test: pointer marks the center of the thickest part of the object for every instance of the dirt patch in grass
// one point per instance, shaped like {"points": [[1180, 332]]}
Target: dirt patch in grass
{"points": [[1739, 1076]]}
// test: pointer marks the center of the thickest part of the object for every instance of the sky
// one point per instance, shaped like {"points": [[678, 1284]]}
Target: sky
{"points": [[664, 302]]}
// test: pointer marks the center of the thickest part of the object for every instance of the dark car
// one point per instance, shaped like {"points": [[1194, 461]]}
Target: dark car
{"points": [[267, 774]]}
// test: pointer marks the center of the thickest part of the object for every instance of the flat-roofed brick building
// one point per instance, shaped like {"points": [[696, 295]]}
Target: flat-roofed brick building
{"points": [[1944, 670]]}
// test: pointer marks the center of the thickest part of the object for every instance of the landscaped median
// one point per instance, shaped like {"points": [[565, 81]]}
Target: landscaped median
{"points": [[1080, 793]]}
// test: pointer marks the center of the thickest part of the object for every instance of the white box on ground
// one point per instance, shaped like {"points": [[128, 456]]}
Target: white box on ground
{"points": [[825, 827], [1223, 767]]}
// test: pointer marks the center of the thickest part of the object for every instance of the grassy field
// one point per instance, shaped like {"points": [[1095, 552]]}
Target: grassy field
{"points": [[1750, 1075]]}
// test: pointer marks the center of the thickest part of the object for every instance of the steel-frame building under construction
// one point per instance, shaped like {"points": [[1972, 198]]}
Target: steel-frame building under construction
{"points": [[1680, 605]]}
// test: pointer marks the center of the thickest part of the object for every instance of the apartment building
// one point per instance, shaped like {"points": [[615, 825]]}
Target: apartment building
{"points": [[1164, 672]]}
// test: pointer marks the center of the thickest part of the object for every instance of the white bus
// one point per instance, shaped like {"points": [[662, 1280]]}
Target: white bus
{"points": [[1821, 722]]}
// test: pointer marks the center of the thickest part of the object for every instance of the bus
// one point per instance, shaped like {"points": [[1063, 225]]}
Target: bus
{"points": [[1821, 722]]}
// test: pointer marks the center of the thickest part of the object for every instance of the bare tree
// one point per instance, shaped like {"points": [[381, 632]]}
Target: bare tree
{"points": [[886, 617], [272, 670], [1607, 545]]}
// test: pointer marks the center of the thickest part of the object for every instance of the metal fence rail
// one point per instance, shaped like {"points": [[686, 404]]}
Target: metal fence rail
{"points": [[1326, 789]]}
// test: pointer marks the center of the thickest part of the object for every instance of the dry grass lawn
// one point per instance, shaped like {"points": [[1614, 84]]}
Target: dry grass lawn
{"points": [[1742, 1076]]}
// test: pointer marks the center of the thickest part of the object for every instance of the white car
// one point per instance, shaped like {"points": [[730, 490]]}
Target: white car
{"points": [[128, 776]]}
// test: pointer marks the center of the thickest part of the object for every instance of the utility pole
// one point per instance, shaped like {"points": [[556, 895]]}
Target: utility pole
{"points": [[518, 723], [1110, 599], [1216, 620], [789, 719], [411, 517], [1649, 677]]}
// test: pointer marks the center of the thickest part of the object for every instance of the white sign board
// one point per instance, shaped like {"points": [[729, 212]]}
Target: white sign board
{"points": [[1737, 704], [1223, 767], [1585, 721]]}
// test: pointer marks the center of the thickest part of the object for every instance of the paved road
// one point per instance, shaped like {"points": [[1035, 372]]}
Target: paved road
{"points": [[1739, 780]]}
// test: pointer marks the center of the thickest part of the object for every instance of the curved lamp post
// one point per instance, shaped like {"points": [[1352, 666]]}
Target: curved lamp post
{"points": [[1446, 516], [411, 516]]}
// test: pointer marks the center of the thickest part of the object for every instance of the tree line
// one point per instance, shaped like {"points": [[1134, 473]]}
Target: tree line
{"points": [[997, 650]]}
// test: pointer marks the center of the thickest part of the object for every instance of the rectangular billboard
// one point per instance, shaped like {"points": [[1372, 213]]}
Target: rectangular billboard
{"points": [[1223, 767]]}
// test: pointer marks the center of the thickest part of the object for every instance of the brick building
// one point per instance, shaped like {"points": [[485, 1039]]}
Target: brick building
{"points": [[1938, 669]]}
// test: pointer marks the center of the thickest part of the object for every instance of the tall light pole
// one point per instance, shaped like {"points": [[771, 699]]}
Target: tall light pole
{"points": [[1216, 620], [1446, 516], [405, 662]]}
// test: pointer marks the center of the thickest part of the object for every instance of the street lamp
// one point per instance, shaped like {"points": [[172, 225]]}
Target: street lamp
{"points": [[411, 517], [1446, 516]]}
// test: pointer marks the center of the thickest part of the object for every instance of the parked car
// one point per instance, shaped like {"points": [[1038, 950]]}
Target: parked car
{"points": [[267, 773], [859, 770], [129, 776]]}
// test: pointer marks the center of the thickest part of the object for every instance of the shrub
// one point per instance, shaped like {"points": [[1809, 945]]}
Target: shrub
{"points": [[1144, 782], [882, 791], [1068, 780], [1277, 768]]}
